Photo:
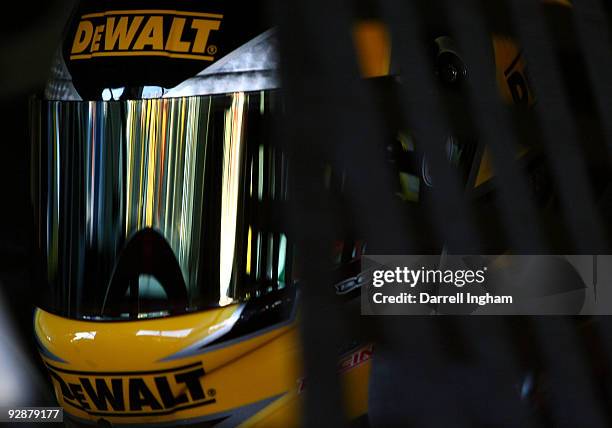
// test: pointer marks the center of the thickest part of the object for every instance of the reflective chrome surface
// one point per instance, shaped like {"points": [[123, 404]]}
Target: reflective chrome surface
{"points": [[152, 207], [59, 85], [252, 67]]}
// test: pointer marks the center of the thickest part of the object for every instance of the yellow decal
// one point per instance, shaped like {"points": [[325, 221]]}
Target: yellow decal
{"points": [[146, 393], [512, 72], [168, 33]]}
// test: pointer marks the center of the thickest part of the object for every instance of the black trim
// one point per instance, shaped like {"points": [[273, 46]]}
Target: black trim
{"points": [[146, 252], [127, 374], [513, 64], [261, 314], [132, 414]]}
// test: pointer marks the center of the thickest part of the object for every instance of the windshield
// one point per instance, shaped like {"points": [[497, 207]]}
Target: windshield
{"points": [[152, 207]]}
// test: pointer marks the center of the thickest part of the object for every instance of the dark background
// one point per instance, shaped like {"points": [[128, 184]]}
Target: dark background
{"points": [[436, 358], [29, 35]]}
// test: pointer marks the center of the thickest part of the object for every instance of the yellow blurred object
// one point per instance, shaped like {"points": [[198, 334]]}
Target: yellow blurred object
{"points": [[566, 3], [373, 45]]}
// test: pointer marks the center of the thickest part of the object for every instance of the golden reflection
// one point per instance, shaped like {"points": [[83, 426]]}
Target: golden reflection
{"points": [[232, 151], [161, 152], [248, 255]]}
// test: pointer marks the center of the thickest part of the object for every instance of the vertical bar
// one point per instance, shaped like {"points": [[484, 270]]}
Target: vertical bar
{"points": [[317, 65], [424, 115], [517, 209], [594, 37], [574, 399], [559, 132]]}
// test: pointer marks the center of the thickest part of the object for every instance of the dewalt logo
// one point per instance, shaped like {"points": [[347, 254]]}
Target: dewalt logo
{"points": [[168, 33], [148, 393]]}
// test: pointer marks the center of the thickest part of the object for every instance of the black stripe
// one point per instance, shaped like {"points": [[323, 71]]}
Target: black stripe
{"points": [[494, 127], [74, 404], [560, 132], [514, 62], [77, 372], [131, 414]]}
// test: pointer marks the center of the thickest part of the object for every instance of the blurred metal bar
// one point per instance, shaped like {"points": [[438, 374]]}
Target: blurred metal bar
{"points": [[574, 400], [426, 119], [600, 329], [516, 207], [494, 362], [559, 132], [594, 36], [330, 123], [414, 382], [592, 25]]}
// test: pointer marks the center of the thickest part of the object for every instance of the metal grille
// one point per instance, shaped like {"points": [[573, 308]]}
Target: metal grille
{"points": [[453, 371]]}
